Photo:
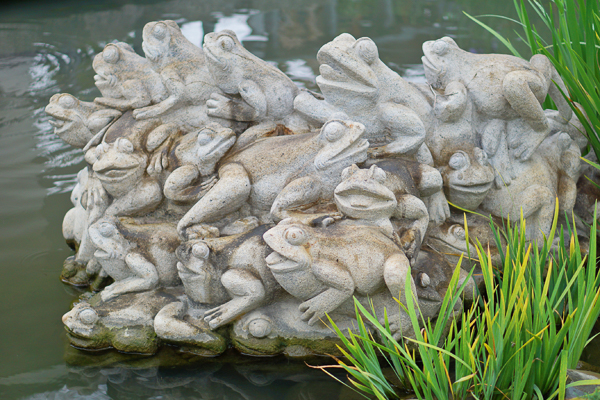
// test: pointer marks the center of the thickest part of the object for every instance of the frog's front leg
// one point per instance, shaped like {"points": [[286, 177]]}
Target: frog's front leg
{"points": [[406, 129], [181, 185], [145, 277], [412, 208], [395, 274], [176, 89], [315, 109], [341, 287], [430, 185]]}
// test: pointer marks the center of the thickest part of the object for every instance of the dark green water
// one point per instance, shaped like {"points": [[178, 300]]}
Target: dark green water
{"points": [[46, 48]]}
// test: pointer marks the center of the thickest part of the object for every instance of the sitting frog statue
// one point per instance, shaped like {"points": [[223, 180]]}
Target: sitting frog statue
{"points": [[365, 197], [507, 94], [125, 79], [75, 121], [181, 66], [325, 267], [468, 177], [254, 90], [229, 271], [123, 188], [550, 174], [194, 158], [354, 81], [137, 257], [303, 169]]}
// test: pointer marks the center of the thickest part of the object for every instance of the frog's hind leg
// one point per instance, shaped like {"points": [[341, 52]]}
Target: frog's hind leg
{"points": [[145, 278], [250, 135], [247, 292]]}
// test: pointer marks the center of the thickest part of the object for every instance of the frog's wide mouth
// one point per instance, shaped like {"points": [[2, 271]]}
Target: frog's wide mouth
{"points": [[358, 198], [475, 189], [277, 262], [112, 174]]}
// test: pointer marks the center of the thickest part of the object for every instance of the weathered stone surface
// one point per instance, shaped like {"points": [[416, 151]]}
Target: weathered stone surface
{"points": [[227, 208]]}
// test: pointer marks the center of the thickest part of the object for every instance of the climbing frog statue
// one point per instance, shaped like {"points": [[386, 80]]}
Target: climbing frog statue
{"points": [[325, 267], [137, 257], [355, 82], [365, 197], [125, 79], [277, 174], [194, 158], [124, 189], [75, 121], [507, 94], [181, 66], [253, 89]]}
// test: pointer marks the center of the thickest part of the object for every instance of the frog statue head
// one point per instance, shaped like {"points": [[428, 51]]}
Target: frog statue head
{"points": [[468, 177], [225, 58], [110, 243], [213, 142], [82, 320], [163, 44], [363, 195], [346, 70], [441, 58], [69, 117], [115, 64], [119, 166], [343, 145]]}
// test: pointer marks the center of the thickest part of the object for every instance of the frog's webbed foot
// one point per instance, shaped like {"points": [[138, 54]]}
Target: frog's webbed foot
{"points": [[314, 309], [247, 292], [199, 231], [410, 242], [145, 278], [523, 140]]}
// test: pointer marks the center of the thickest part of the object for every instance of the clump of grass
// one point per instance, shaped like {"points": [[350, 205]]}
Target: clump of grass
{"points": [[574, 26], [516, 342]]}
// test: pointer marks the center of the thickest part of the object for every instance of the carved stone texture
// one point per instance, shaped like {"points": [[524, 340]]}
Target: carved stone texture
{"points": [[222, 206]]}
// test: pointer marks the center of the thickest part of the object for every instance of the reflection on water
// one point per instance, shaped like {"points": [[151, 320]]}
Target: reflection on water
{"points": [[46, 48]]}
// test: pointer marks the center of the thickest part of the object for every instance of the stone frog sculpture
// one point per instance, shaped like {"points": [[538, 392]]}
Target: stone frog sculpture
{"points": [[137, 257], [325, 267], [365, 197], [194, 157], [125, 79], [507, 93], [550, 174], [181, 66], [355, 82], [229, 271], [468, 177], [277, 174], [75, 121], [254, 90], [124, 189]]}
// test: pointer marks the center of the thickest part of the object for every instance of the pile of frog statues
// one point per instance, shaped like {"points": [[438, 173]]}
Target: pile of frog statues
{"points": [[230, 208]]}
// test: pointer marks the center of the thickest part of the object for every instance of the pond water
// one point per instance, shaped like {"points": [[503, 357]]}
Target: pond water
{"points": [[47, 48]]}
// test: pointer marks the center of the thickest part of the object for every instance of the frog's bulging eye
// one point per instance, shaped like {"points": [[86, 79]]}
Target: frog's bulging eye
{"points": [[367, 50], [333, 131], [107, 229], [458, 160], [67, 101], [124, 145], [458, 232], [101, 149], [378, 174], [226, 43], [295, 236], [424, 280], [205, 137], [88, 316], [440, 47], [159, 31], [110, 54], [200, 250]]}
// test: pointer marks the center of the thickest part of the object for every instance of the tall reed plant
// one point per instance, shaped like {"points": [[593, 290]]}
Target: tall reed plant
{"points": [[574, 29], [515, 342]]}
